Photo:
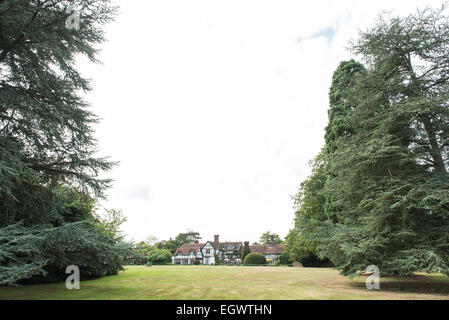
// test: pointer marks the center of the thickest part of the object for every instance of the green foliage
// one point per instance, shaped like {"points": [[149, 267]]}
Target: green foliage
{"points": [[298, 247], [266, 238], [171, 245], [34, 255], [49, 176], [255, 259], [110, 222], [80, 244], [310, 204], [218, 261], [245, 251], [284, 259], [341, 102], [188, 237], [45, 127], [20, 257], [385, 186], [159, 256], [144, 248]]}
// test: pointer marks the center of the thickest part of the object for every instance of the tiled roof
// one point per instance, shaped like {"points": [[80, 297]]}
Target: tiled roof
{"points": [[186, 248], [266, 249], [230, 246]]}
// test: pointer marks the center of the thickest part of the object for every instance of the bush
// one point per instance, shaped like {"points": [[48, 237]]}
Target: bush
{"points": [[245, 251], [159, 256], [255, 259], [197, 262], [284, 259], [52, 250], [218, 261]]}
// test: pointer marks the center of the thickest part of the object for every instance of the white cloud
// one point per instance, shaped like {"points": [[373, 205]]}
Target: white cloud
{"points": [[214, 109]]}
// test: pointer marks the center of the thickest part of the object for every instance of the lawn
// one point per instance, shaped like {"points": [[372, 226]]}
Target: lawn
{"points": [[239, 283]]}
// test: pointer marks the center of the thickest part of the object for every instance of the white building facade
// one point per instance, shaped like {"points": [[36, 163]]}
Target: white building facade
{"points": [[226, 252], [191, 253]]}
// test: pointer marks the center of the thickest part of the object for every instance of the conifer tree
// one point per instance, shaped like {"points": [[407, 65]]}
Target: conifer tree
{"points": [[387, 185], [49, 174]]}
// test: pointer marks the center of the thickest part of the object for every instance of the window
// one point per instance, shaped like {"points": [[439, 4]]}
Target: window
{"points": [[207, 251]]}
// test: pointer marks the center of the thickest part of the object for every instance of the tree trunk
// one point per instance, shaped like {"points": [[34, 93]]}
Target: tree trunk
{"points": [[438, 162]]}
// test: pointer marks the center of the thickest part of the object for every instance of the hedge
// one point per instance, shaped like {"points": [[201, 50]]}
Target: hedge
{"points": [[255, 259]]}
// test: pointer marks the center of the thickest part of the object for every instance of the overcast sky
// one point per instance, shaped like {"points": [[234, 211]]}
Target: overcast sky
{"points": [[215, 108]]}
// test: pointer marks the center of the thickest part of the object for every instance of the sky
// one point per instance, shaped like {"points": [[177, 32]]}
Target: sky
{"points": [[214, 109]]}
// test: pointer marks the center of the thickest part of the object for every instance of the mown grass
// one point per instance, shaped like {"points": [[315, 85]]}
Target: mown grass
{"points": [[239, 283]]}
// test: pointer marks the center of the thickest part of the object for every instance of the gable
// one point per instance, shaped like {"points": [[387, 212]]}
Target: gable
{"points": [[185, 249]]}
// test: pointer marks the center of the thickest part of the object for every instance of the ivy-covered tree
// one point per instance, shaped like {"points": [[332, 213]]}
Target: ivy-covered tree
{"points": [[246, 250], [341, 103], [170, 244]]}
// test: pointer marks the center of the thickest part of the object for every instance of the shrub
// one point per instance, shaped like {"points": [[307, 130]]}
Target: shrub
{"points": [[245, 251], [284, 259], [255, 259], [159, 256], [218, 261], [197, 262]]}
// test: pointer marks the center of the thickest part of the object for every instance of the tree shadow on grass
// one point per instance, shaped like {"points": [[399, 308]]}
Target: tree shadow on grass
{"points": [[420, 284]]}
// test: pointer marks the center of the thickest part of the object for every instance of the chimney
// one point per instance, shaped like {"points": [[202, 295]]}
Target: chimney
{"points": [[216, 238], [271, 239]]}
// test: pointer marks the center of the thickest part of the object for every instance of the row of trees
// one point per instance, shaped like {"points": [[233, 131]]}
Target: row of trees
{"points": [[379, 189], [160, 252], [49, 174]]}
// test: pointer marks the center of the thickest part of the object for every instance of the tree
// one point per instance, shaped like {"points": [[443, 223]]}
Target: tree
{"points": [[93, 246], [145, 247], [41, 254], [45, 126], [171, 245], [310, 204], [188, 237], [245, 251], [159, 256], [266, 238], [387, 183], [49, 176], [14, 264], [218, 261], [151, 240], [341, 92]]}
